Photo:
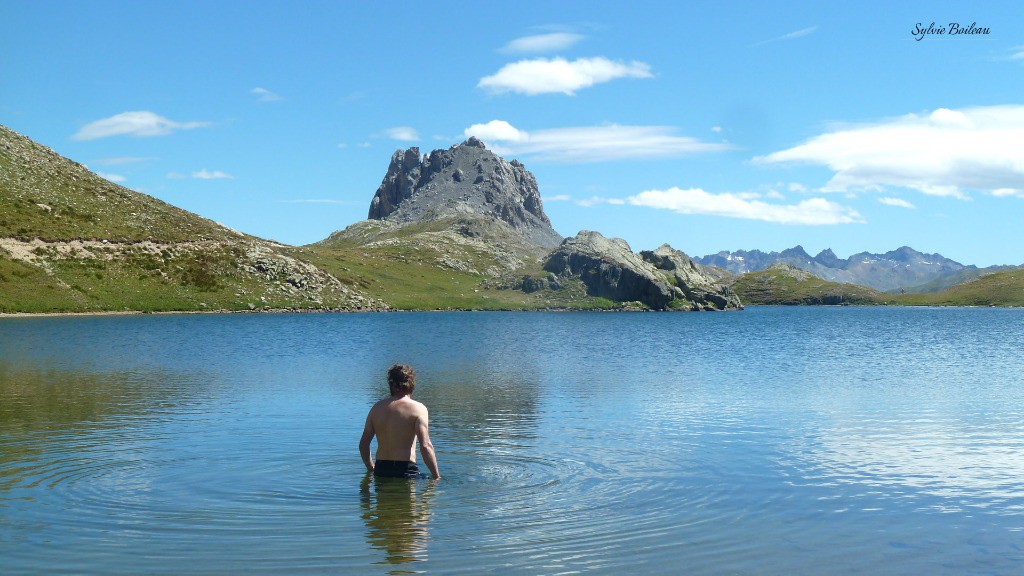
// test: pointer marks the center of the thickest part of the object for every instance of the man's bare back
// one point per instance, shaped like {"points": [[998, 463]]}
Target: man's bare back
{"points": [[398, 422]]}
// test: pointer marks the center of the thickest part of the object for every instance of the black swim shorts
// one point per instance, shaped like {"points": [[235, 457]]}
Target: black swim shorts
{"points": [[395, 469]]}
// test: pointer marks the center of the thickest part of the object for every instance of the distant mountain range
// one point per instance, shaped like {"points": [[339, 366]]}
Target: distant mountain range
{"points": [[903, 269]]}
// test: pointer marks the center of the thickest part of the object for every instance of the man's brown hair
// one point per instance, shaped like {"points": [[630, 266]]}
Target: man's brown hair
{"points": [[401, 379]]}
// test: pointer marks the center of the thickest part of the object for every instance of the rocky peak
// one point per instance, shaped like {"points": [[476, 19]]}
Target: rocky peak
{"points": [[908, 254], [795, 252], [464, 180], [668, 258], [827, 258]]}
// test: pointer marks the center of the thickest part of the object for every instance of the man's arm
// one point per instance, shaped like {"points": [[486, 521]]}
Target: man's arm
{"points": [[426, 447], [364, 443]]}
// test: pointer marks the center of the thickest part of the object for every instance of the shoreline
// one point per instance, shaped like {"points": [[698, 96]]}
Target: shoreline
{"points": [[96, 313]]}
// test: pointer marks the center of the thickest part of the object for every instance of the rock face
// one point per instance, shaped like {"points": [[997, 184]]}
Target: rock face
{"points": [[464, 180], [694, 281], [662, 279]]}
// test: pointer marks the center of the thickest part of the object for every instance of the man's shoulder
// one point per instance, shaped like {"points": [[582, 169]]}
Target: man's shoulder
{"points": [[414, 406], [398, 404]]}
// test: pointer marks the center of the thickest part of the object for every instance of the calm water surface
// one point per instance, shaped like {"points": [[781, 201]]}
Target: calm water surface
{"points": [[768, 441]]}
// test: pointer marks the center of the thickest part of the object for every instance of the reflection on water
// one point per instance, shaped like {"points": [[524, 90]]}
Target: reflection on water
{"points": [[54, 423], [37, 398], [959, 463], [771, 441], [397, 513]]}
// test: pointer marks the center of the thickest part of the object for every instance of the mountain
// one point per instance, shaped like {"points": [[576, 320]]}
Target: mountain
{"points": [[464, 210], [466, 180], [788, 285], [467, 217], [70, 241], [893, 271]]}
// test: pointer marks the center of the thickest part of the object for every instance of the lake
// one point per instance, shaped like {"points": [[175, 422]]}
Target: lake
{"points": [[769, 441]]}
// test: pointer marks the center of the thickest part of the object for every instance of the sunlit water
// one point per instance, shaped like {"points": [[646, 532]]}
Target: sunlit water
{"points": [[768, 441]]}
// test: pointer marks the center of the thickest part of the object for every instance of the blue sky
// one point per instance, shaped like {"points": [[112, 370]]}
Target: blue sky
{"points": [[708, 125]]}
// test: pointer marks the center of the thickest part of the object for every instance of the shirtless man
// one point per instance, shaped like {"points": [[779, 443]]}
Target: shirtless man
{"points": [[397, 422]]}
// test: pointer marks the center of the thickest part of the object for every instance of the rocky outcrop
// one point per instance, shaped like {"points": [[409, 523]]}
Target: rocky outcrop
{"points": [[663, 279], [465, 180], [696, 283]]}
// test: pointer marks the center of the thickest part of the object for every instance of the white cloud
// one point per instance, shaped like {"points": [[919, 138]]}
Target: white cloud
{"points": [[796, 187], [896, 202], [543, 43], [944, 153], [595, 200], [205, 174], [176, 176], [364, 144], [140, 123], [1008, 192], [496, 131], [774, 195], [590, 143], [266, 95], [716, 129], [789, 36], [557, 198], [558, 75], [814, 211], [111, 177], [403, 133]]}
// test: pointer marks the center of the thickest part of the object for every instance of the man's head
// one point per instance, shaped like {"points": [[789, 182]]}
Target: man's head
{"points": [[401, 379]]}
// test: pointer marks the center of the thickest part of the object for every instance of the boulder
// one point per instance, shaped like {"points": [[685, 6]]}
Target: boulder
{"points": [[699, 287]]}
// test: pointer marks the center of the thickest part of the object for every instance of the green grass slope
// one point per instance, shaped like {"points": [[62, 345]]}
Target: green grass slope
{"points": [[786, 285], [996, 289], [44, 195], [946, 282], [441, 265], [71, 241]]}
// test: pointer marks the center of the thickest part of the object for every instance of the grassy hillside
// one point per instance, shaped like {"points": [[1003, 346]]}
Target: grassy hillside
{"points": [[787, 285], [441, 265], [966, 275], [44, 195], [996, 289], [791, 286], [71, 241], [168, 277]]}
